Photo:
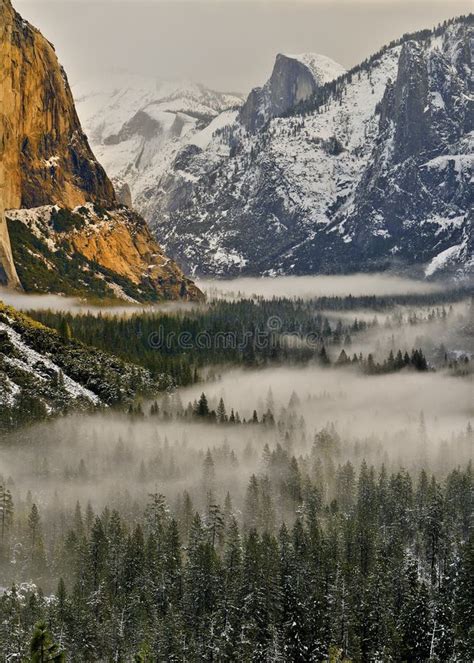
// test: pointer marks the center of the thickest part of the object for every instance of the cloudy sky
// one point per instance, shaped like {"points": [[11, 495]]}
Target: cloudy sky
{"points": [[225, 44]]}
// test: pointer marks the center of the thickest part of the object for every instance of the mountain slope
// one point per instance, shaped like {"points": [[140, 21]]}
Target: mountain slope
{"points": [[137, 125], [294, 79], [43, 373], [371, 171], [48, 161]]}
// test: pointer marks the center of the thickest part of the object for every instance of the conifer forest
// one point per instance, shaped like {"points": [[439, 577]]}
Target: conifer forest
{"points": [[298, 488], [236, 331]]}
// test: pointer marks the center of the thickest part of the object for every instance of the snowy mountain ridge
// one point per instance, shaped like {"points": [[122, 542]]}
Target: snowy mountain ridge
{"points": [[138, 124], [294, 80], [362, 170], [323, 69]]}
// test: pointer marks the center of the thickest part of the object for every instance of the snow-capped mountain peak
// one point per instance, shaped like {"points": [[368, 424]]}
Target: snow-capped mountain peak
{"points": [[325, 170], [108, 102], [294, 80], [322, 68], [137, 125], [368, 171]]}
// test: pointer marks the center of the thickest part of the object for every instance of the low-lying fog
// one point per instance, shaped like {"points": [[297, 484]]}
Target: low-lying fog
{"points": [[316, 286], [281, 286], [29, 302], [403, 420]]}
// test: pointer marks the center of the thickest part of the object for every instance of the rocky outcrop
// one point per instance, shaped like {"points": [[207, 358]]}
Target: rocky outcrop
{"points": [[295, 79], [8, 273], [122, 243], [122, 191], [95, 253], [418, 178], [45, 153], [48, 162]]}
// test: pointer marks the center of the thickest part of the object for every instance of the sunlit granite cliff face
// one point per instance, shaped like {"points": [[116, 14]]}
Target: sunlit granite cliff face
{"points": [[62, 207]]}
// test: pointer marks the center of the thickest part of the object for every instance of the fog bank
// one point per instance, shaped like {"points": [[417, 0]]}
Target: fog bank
{"points": [[317, 286]]}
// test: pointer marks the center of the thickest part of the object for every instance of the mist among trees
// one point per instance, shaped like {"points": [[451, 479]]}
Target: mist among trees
{"points": [[274, 507]]}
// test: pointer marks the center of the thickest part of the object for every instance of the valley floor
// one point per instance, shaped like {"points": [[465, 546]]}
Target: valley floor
{"points": [[308, 500]]}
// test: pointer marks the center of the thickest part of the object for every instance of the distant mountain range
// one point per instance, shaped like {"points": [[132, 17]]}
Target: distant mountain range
{"points": [[138, 125], [318, 171]]}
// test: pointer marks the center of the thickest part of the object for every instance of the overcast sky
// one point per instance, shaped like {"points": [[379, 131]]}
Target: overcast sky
{"points": [[225, 44]]}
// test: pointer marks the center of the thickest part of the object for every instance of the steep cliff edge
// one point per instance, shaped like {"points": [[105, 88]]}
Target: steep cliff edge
{"points": [[45, 153], [47, 161], [294, 79]]}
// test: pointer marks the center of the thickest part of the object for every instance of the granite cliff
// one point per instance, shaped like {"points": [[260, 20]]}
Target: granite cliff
{"points": [[48, 164]]}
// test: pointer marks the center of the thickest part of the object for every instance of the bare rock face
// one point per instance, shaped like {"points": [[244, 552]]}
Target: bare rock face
{"points": [[45, 153], [124, 245], [47, 159], [95, 253], [122, 191], [8, 273], [294, 79]]}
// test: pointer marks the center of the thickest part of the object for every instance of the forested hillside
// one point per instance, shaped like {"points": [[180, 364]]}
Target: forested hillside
{"points": [[44, 372], [304, 495], [257, 332]]}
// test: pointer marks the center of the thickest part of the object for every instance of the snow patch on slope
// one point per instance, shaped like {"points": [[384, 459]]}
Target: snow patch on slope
{"points": [[31, 361], [443, 259], [203, 138], [312, 179], [322, 68]]}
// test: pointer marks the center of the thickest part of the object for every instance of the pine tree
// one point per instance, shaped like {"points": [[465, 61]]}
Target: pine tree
{"points": [[252, 504], [42, 647], [6, 512], [342, 360], [293, 594], [201, 580], [171, 565], [156, 515], [215, 524], [37, 554], [231, 607], [323, 357], [65, 330], [202, 408], [97, 554], [221, 412], [78, 522], [464, 604], [34, 524], [414, 620], [208, 478]]}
